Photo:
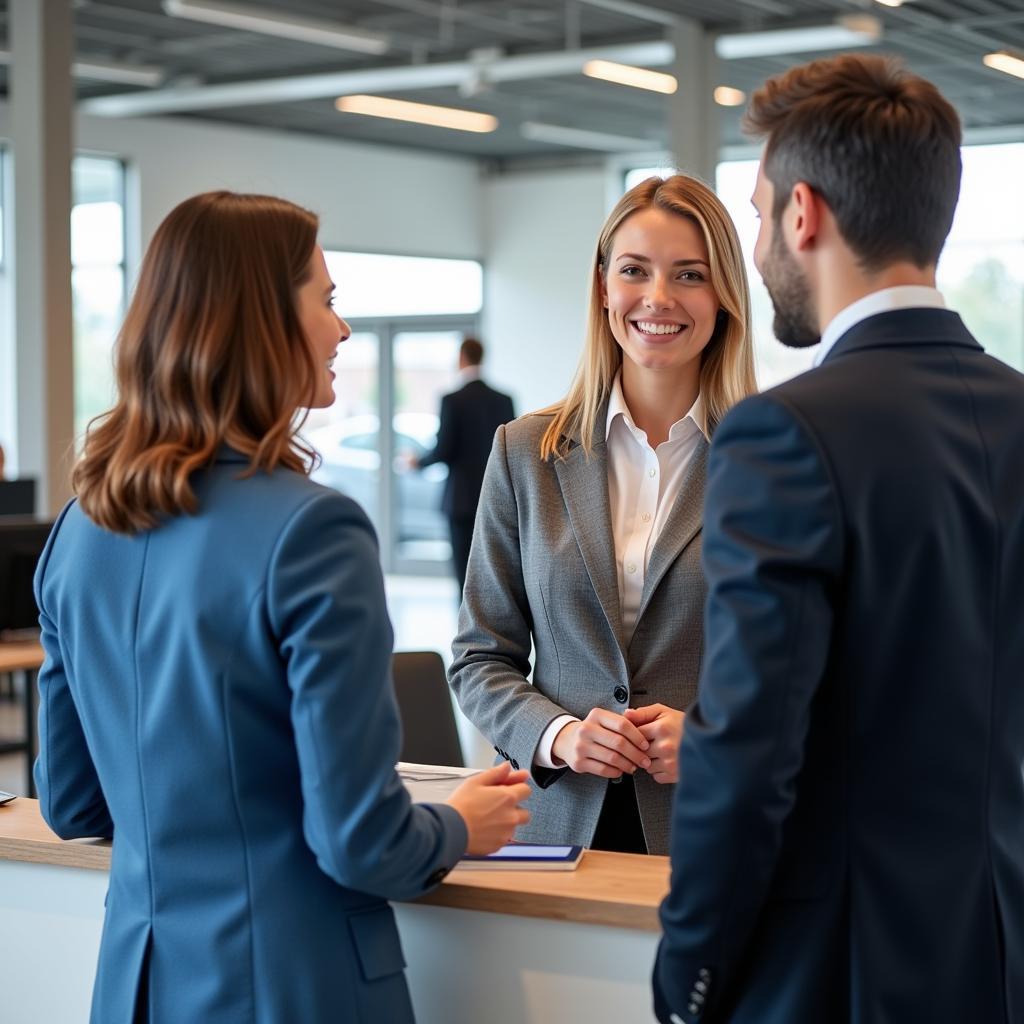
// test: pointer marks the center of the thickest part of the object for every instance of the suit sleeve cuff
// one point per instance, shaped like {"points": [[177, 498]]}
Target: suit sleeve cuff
{"points": [[544, 755], [454, 840]]}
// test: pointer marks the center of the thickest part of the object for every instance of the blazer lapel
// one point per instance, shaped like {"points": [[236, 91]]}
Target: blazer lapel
{"points": [[584, 484], [682, 526]]}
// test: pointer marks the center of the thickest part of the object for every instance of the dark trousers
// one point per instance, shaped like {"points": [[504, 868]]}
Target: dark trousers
{"points": [[619, 829], [461, 531]]}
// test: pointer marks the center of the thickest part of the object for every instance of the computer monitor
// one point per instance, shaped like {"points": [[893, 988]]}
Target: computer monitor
{"points": [[21, 543], [18, 497]]}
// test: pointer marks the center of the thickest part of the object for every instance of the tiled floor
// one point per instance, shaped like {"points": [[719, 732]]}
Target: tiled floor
{"points": [[423, 612]]}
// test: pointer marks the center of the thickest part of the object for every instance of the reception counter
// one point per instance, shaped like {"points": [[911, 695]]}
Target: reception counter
{"points": [[508, 947]]}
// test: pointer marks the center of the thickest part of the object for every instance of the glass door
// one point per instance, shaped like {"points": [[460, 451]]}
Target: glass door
{"points": [[425, 365], [347, 435], [392, 371]]}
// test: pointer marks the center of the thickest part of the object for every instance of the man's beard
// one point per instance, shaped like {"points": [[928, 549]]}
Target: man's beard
{"points": [[795, 321]]}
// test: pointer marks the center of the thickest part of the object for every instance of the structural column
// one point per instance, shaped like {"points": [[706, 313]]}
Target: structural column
{"points": [[693, 115], [41, 100]]}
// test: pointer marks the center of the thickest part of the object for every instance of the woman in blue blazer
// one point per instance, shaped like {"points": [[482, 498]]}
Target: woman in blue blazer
{"points": [[216, 690]]}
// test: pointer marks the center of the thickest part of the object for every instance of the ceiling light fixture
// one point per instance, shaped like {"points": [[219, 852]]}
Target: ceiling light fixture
{"points": [[581, 138], [418, 113], [841, 34], [102, 71], [1009, 63], [727, 96], [304, 30], [626, 74], [377, 80], [890, 3]]}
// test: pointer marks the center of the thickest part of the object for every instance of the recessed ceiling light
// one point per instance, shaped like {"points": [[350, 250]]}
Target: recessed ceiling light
{"points": [[890, 3], [1004, 61], [626, 74], [418, 113], [727, 96]]}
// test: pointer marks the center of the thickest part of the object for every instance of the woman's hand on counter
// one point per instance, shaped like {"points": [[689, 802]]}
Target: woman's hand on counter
{"points": [[489, 805], [604, 744], [662, 727]]}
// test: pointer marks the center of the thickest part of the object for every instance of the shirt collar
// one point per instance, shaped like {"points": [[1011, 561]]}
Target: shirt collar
{"points": [[906, 296], [468, 374], [617, 407]]}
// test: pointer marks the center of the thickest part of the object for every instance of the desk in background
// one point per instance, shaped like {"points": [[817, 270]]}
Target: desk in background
{"points": [[23, 658]]}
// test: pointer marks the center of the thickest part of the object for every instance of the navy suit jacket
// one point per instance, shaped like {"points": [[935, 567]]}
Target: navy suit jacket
{"points": [[469, 417], [216, 696], [848, 826]]}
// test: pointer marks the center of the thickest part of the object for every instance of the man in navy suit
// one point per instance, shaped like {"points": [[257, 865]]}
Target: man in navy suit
{"points": [[469, 418], [848, 828]]}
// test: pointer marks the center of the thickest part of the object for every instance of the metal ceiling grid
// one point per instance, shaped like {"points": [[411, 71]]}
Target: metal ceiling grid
{"points": [[941, 39]]}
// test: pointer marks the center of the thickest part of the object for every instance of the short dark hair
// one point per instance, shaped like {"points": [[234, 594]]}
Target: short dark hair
{"points": [[471, 352], [880, 145]]}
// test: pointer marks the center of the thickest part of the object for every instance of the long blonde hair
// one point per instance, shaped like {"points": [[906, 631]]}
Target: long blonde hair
{"points": [[727, 363], [211, 353]]}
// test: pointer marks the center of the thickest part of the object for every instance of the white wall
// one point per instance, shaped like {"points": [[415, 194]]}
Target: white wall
{"points": [[540, 231], [535, 231], [369, 198]]}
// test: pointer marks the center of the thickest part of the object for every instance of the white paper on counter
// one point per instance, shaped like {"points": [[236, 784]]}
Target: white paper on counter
{"points": [[432, 783]]}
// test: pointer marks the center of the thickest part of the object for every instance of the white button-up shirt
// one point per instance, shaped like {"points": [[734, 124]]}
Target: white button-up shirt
{"points": [[643, 484], [904, 296]]}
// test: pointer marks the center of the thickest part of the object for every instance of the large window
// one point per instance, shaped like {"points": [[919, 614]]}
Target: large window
{"points": [[408, 316], [97, 280], [97, 284], [981, 272], [8, 374]]}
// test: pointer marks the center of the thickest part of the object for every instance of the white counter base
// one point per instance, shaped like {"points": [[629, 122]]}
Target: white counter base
{"points": [[465, 966]]}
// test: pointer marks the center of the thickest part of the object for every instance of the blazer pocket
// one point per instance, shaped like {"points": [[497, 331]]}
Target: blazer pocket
{"points": [[375, 936]]}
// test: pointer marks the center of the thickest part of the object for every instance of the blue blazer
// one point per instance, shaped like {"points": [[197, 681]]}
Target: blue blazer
{"points": [[848, 827], [216, 696]]}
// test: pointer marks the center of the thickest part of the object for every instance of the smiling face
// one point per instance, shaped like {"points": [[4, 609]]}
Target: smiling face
{"points": [[324, 329], [657, 291]]}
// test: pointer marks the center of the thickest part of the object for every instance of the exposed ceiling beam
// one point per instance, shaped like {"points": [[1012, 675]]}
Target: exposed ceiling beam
{"points": [[246, 18], [118, 73], [629, 8], [392, 79], [451, 12], [582, 138]]}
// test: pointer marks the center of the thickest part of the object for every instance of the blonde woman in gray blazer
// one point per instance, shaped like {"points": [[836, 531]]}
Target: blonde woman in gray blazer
{"points": [[587, 538]]}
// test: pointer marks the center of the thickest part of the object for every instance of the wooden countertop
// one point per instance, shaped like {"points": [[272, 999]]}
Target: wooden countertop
{"points": [[622, 890], [25, 836], [616, 889]]}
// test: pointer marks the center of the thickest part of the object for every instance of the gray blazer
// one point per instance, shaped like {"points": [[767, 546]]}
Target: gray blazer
{"points": [[542, 569]]}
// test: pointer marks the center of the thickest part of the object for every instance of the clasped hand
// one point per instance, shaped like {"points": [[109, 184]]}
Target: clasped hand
{"points": [[611, 745]]}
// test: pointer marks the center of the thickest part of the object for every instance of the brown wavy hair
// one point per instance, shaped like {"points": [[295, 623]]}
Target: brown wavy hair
{"points": [[211, 353]]}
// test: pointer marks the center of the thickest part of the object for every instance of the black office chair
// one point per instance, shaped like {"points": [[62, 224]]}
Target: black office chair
{"points": [[429, 734]]}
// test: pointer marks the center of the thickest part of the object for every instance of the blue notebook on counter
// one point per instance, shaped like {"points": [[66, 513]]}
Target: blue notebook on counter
{"points": [[527, 857]]}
